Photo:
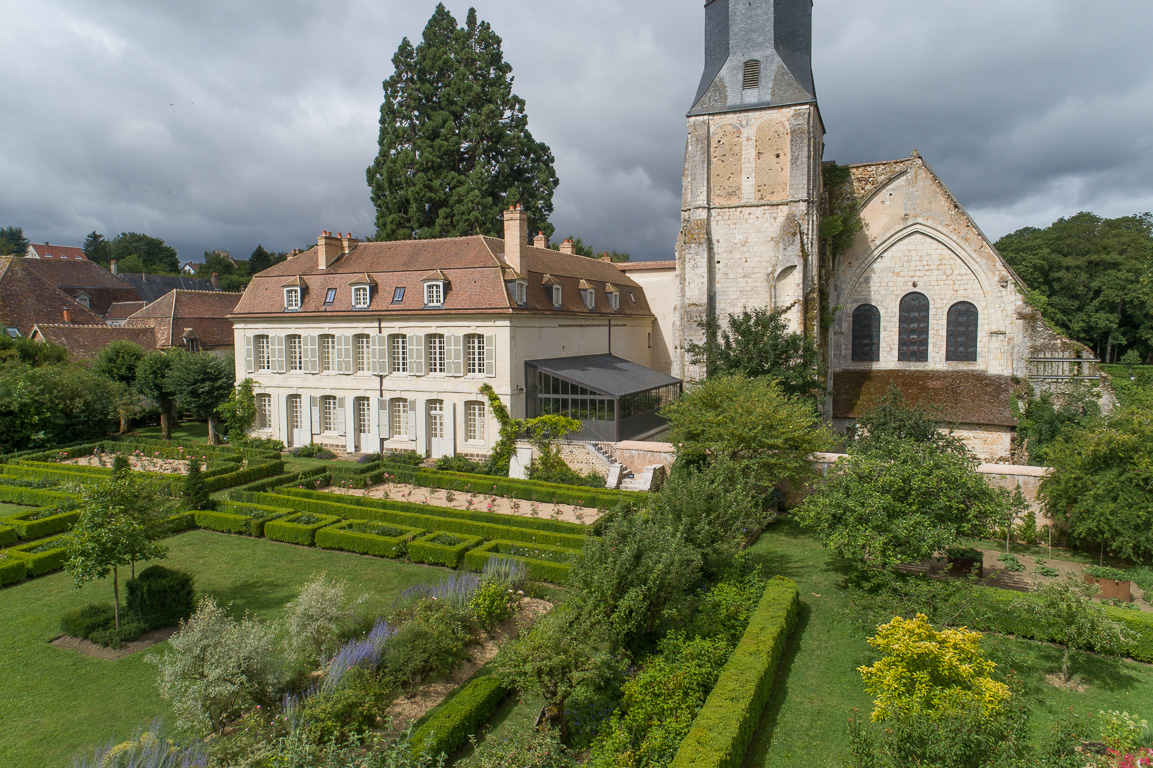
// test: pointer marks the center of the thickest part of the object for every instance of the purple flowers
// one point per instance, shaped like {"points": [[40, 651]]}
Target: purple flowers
{"points": [[364, 650]]}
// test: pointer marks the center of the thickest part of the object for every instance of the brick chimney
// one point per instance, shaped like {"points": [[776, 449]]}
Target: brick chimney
{"points": [[606, 257], [515, 236], [327, 249], [540, 241], [568, 247], [113, 268], [215, 281]]}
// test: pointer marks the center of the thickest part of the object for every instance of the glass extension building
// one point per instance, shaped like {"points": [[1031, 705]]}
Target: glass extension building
{"points": [[613, 398]]}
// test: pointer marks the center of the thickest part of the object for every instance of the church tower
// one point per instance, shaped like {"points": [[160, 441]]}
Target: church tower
{"points": [[752, 176]]}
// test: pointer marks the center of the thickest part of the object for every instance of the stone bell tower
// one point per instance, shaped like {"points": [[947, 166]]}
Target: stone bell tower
{"points": [[752, 178]]}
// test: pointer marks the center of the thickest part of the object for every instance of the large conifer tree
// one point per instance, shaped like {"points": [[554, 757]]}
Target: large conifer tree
{"points": [[455, 149]]}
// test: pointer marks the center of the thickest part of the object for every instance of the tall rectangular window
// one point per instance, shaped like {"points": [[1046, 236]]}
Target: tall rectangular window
{"points": [[398, 417], [398, 353], [327, 353], [360, 296], [474, 418], [264, 411], [327, 413], [295, 412], [434, 294], [436, 419], [434, 344], [295, 354], [363, 411], [263, 359], [292, 298], [361, 352], [474, 348]]}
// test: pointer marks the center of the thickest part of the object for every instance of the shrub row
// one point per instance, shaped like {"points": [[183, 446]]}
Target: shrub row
{"points": [[366, 542], [12, 570], [62, 475], [247, 475], [160, 597], [450, 725], [7, 535], [10, 458], [721, 733], [551, 493], [299, 528], [422, 516], [35, 497], [440, 548], [51, 558], [279, 481], [78, 469], [182, 521], [231, 517], [573, 531], [170, 449], [537, 570], [45, 526]]}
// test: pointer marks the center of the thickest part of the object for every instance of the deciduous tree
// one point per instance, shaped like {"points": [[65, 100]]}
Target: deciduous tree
{"points": [[202, 383], [455, 149], [154, 254], [119, 362], [1069, 617], [152, 382]]}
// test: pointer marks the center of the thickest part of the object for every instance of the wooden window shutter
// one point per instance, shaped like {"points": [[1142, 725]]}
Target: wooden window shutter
{"points": [[382, 422], [314, 402], [340, 420], [379, 363], [455, 355], [249, 361], [311, 354], [344, 354], [279, 363], [416, 355], [412, 420], [490, 355]]}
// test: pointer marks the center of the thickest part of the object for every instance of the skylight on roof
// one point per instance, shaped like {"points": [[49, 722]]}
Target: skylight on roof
{"points": [[330, 296], [398, 294], [13, 331]]}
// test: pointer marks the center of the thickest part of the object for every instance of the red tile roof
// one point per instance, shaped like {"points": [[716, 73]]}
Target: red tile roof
{"points": [[205, 312], [27, 299], [102, 288], [122, 310], [47, 251], [84, 342], [473, 269]]}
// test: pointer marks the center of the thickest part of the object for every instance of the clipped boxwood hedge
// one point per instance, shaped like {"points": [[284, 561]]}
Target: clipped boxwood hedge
{"points": [[536, 570], [366, 542], [182, 521], [487, 525], [42, 526], [299, 528], [279, 481], [232, 517], [721, 733], [20, 470], [247, 475], [50, 556], [34, 497], [160, 597], [531, 490], [450, 725], [7, 535], [12, 570], [449, 550]]}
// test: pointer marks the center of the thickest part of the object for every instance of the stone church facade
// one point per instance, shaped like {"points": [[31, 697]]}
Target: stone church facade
{"points": [[920, 300]]}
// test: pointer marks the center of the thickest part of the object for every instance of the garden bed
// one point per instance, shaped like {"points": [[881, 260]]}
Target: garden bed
{"points": [[501, 505]]}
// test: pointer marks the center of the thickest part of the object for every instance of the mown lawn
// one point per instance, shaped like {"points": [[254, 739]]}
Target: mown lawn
{"points": [[818, 684], [55, 702], [7, 510]]}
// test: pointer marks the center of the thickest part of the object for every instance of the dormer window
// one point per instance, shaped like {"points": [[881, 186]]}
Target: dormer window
{"points": [[433, 293], [519, 290], [556, 297], [614, 297], [362, 291], [589, 295], [292, 299]]}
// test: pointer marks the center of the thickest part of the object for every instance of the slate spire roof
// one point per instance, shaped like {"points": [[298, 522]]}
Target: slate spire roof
{"points": [[775, 34]]}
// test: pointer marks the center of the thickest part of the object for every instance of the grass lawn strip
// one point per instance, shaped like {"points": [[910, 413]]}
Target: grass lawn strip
{"points": [[54, 701]]}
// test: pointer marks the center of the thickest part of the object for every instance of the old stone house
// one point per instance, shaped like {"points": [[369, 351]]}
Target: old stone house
{"points": [[365, 346], [920, 300]]}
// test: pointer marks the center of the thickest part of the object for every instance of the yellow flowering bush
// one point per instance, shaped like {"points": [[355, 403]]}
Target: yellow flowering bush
{"points": [[930, 672]]}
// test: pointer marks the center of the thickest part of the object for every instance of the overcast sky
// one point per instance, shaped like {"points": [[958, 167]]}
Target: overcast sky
{"points": [[221, 124]]}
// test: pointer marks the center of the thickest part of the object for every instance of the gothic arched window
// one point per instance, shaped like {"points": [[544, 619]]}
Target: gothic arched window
{"points": [[961, 333], [913, 333], [866, 334]]}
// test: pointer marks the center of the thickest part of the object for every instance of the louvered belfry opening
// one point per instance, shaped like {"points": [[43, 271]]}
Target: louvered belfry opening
{"points": [[752, 74]]}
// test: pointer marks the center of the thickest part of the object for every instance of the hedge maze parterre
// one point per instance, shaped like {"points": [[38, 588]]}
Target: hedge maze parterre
{"points": [[262, 500]]}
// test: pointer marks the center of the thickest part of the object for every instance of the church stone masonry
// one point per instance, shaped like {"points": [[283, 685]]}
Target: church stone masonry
{"points": [[923, 300]]}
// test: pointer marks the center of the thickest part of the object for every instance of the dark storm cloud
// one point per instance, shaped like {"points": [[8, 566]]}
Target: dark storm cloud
{"points": [[221, 124]]}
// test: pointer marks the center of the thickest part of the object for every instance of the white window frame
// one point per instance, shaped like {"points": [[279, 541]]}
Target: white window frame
{"points": [[522, 292], [361, 353], [328, 413], [362, 415], [264, 411], [262, 352], [329, 297], [327, 352], [294, 351], [615, 301], [437, 353], [295, 412], [291, 299], [475, 419], [361, 296], [590, 297], [434, 293], [398, 419], [397, 353], [436, 429], [556, 296], [474, 354]]}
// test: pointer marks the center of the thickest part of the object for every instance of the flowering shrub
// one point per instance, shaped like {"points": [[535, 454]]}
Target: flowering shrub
{"points": [[492, 603]]}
